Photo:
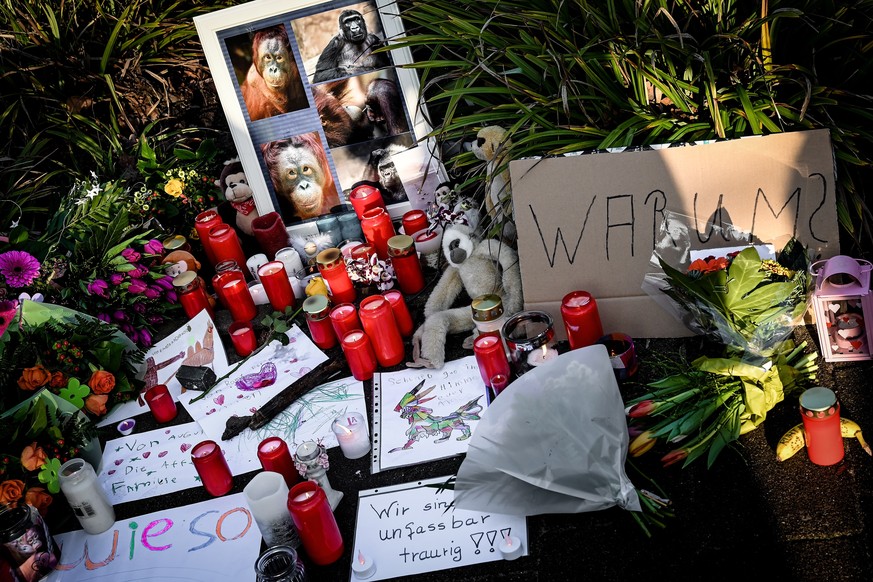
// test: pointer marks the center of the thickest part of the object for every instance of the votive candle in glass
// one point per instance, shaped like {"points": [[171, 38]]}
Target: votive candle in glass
{"points": [[290, 258], [317, 310], [86, 496], [202, 223], [212, 468], [277, 285], [161, 403], [491, 358], [192, 295], [407, 266], [352, 434], [243, 338], [529, 336], [344, 318], [225, 244], [359, 353], [414, 221], [315, 523], [274, 456], [267, 497], [400, 310], [332, 267], [378, 320], [364, 197], [232, 290], [378, 228], [581, 319], [622, 354], [820, 412]]}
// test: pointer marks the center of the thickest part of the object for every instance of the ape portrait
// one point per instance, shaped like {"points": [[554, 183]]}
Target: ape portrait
{"points": [[350, 52], [380, 168], [384, 108], [343, 122], [272, 85], [301, 175]]}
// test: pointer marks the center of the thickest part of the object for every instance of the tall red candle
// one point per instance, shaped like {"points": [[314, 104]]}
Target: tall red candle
{"points": [[344, 318], [414, 221], [225, 244], [407, 267], [202, 223], [276, 285], [212, 468], [233, 292], [400, 311], [359, 354], [332, 267], [161, 403], [581, 319], [379, 324], [491, 358], [821, 423], [364, 197], [317, 309], [315, 522], [192, 295], [274, 456], [378, 228]]}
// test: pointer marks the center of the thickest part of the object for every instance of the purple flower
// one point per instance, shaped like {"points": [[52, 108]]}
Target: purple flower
{"points": [[120, 315], [126, 328], [104, 317], [138, 271], [98, 287], [165, 283], [139, 308], [116, 279], [18, 268], [154, 247], [145, 338], [7, 312], [131, 255], [155, 319], [153, 292], [136, 286], [171, 296]]}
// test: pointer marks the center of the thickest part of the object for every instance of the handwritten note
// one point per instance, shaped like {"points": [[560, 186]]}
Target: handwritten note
{"points": [[433, 424], [413, 528], [212, 541]]}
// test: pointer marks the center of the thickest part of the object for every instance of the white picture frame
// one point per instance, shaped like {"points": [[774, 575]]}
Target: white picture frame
{"points": [[227, 34]]}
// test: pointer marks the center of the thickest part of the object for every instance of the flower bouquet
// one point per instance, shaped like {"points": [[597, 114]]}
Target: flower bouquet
{"points": [[371, 272]]}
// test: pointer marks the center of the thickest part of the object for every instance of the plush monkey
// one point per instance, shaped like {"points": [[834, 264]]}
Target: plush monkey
{"points": [[491, 145], [477, 267], [236, 189]]}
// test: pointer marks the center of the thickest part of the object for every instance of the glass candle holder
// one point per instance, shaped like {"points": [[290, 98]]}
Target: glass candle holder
{"points": [[267, 498], [315, 523], [332, 267], [622, 354], [316, 310], [530, 339], [175, 242], [274, 456], [203, 222], [24, 534], [821, 423], [280, 564], [212, 468], [488, 315], [352, 434], [407, 267], [225, 244], [581, 319], [161, 403], [243, 338], [365, 197], [277, 285], [379, 323], [491, 358], [414, 221], [378, 228], [86, 496], [401, 311], [233, 292], [359, 354], [192, 295], [344, 318]]}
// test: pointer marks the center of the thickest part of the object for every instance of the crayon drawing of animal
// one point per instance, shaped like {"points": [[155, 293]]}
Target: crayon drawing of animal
{"points": [[424, 424]]}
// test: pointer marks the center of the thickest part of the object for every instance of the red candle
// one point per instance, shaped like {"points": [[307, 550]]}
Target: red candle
{"points": [[243, 337], [400, 311], [379, 324], [821, 423], [192, 295], [378, 228], [161, 403], [233, 292], [414, 221], [344, 318], [274, 456], [332, 267], [202, 223], [363, 251], [225, 244], [276, 285], [364, 197], [317, 310], [212, 468], [581, 319], [359, 354], [315, 523], [407, 267], [491, 358]]}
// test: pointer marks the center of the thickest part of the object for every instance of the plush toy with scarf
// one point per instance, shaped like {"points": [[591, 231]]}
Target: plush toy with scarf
{"points": [[236, 190]]}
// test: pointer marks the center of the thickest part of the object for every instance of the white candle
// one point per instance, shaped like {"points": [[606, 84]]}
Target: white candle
{"points": [[363, 566], [267, 497], [290, 258], [542, 355], [126, 427], [510, 547], [85, 496], [259, 296], [255, 262], [352, 435]]}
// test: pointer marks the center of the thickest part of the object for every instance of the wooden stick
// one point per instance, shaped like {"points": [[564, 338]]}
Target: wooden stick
{"points": [[318, 375]]}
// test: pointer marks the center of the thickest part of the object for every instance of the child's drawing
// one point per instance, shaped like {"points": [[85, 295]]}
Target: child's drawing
{"points": [[423, 424]]}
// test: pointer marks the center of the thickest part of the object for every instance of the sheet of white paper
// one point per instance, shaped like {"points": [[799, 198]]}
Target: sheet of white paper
{"points": [[196, 343], [434, 427], [764, 251], [406, 530], [212, 541], [261, 377]]}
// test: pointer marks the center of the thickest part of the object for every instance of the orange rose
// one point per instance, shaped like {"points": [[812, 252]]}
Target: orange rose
{"points": [[38, 497], [33, 378], [59, 380], [11, 490], [33, 457], [101, 382], [96, 404]]}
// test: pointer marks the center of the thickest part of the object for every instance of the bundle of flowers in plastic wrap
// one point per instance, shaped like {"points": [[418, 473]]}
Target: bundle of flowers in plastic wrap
{"points": [[748, 303]]}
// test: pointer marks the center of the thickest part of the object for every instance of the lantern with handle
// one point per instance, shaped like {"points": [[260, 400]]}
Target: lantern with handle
{"points": [[843, 308]]}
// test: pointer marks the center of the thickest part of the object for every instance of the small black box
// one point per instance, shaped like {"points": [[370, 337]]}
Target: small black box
{"points": [[195, 377]]}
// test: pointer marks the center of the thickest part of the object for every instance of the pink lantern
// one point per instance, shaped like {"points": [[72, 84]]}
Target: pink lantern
{"points": [[843, 308]]}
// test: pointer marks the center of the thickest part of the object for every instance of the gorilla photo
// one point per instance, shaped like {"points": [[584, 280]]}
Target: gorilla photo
{"points": [[272, 85], [350, 52]]}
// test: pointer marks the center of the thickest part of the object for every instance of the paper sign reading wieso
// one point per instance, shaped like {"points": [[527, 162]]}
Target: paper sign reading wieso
{"points": [[590, 222]]}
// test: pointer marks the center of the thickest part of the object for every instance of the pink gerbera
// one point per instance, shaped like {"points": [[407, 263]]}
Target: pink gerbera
{"points": [[18, 268]]}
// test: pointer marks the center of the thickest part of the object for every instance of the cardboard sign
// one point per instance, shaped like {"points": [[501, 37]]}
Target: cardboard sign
{"points": [[590, 222]]}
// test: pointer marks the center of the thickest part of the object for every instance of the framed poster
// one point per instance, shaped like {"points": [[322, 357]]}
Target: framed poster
{"points": [[313, 109]]}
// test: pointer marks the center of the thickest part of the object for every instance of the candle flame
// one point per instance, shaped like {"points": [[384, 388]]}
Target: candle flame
{"points": [[545, 351], [361, 559], [345, 428]]}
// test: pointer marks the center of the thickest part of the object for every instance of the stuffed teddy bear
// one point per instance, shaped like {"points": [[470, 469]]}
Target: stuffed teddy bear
{"points": [[477, 267], [491, 145], [236, 190]]}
